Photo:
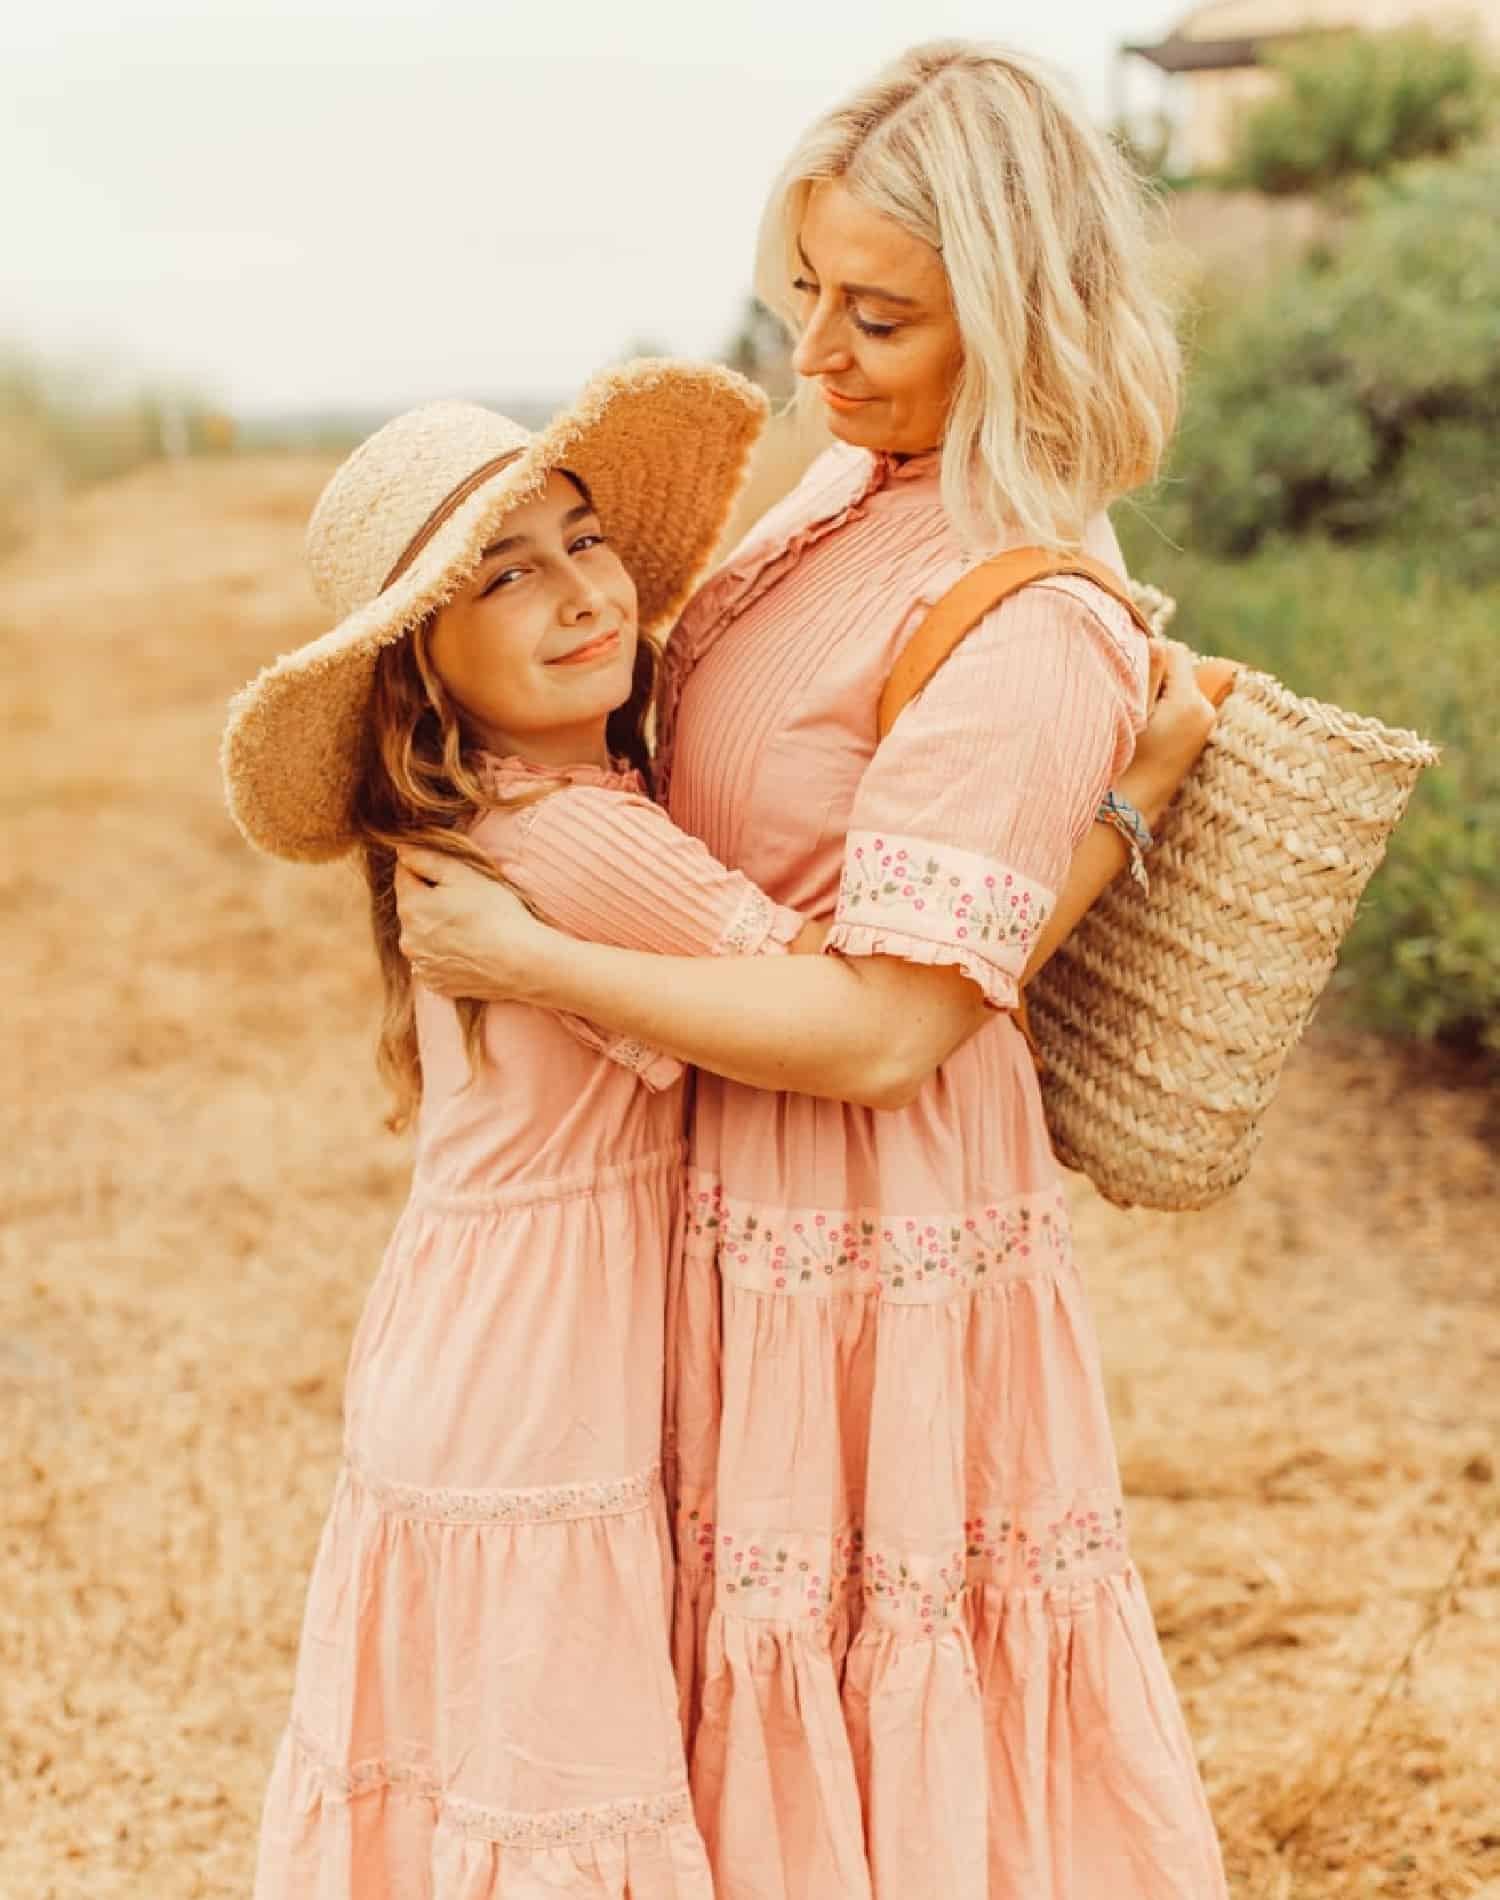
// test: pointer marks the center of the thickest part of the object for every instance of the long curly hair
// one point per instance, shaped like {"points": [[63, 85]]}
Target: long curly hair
{"points": [[421, 786]]}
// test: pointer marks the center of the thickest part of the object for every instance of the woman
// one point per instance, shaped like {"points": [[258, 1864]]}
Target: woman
{"points": [[916, 1660]]}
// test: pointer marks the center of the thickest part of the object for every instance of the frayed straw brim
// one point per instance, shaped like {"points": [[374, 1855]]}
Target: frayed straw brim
{"points": [[664, 448], [1164, 1022]]}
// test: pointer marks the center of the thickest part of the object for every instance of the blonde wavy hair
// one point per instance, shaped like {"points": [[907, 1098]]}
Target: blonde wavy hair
{"points": [[420, 785], [1068, 392]]}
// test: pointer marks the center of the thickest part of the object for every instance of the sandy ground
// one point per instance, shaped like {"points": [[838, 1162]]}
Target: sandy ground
{"points": [[196, 1188]]}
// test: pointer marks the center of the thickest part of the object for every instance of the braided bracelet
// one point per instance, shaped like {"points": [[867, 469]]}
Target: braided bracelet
{"points": [[1123, 816]]}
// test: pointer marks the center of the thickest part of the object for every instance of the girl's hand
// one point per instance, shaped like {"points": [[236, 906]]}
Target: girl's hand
{"points": [[464, 934], [1185, 702]]}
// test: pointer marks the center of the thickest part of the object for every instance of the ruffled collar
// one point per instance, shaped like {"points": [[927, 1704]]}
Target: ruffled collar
{"points": [[502, 774], [908, 468]]}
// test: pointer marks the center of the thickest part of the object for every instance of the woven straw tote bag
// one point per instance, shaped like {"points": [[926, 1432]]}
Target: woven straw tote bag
{"points": [[1163, 1024]]}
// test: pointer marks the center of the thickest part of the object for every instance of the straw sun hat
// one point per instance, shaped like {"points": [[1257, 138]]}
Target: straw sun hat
{"points": [[663, 448]]}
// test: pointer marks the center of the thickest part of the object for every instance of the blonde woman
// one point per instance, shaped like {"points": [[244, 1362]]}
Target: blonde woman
{"points": [[915, 1656]]}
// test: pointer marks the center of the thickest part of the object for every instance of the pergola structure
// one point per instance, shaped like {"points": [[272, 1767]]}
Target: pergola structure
{"points": [[1179, 54]]}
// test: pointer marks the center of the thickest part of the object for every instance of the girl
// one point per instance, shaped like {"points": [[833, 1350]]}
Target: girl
{"points": [[484, 1702], [917, 1660]]}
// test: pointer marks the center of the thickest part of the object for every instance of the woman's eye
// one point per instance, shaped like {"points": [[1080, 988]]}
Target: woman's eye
{"points": [[587, 541], [804, 288], [501, 579], [872, 329]]}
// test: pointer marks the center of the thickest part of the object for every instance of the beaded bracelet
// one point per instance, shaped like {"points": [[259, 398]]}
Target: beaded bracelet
{"points": [[1123, 816]]}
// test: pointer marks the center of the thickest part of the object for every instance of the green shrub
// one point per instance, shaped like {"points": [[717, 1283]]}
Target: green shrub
{"points": [[1388, 633], [1362, 103], [1358, 395]]}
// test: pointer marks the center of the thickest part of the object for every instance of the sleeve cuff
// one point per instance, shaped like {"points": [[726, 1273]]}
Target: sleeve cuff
{"points": [[758, 927], [936, 904], [651, 1068]]}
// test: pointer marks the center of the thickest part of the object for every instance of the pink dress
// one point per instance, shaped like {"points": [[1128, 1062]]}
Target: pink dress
{"points": [[484, 1706], [916, 1660]]}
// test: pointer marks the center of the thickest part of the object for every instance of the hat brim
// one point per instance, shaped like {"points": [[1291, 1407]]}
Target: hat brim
{"points": [[664, 448]]}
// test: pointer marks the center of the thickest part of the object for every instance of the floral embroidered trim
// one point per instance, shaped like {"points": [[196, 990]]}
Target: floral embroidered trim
{"points": [[907, 883], [799, 1577], [547, 1504], [905, 1594], [794, 1577], [911, 1258], [1078, 1542], [552, 1827]]}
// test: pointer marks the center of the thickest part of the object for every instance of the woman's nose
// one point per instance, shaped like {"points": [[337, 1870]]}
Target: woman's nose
{"points": [[819, 350]]}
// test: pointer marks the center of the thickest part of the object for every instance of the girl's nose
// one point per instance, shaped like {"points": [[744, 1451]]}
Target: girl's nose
{"points": [[582, 599]]}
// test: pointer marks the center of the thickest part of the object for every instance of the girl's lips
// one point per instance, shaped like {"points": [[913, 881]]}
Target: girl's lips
{"points": [[594, 650]]}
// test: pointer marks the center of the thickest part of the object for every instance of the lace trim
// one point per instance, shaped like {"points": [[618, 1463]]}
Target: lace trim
{"points": [[547, 1504], [555, 1827], [805, 1577], [749, 927], [911, 1259], [934, 890]]}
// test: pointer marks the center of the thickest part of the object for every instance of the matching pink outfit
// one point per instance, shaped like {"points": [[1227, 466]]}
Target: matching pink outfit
{"points": [[913, 1658], [484, 1706]]}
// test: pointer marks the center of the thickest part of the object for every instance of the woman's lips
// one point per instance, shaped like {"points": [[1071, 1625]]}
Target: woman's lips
{"points": [[836, 400], [594, 649]]}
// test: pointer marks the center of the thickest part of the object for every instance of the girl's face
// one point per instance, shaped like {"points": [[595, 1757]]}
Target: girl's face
{"points": [[878, 329], [539, 648]]}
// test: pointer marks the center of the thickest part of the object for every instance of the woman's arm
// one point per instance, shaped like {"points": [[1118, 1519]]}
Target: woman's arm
{"points": [[866, 1030], [1185, 702]]}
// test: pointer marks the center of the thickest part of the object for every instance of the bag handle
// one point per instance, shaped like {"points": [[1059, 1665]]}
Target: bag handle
{"points": [[969, 599]]}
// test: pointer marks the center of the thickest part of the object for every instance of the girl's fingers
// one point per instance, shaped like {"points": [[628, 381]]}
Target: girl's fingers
{"points": [[429, 866]]}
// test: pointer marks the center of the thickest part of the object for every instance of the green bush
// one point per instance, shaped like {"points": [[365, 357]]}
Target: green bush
{"points": [[1358, 395], [1388, 633], [1362, 103]]}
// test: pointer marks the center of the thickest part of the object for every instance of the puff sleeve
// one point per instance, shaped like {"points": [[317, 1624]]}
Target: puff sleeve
{"points": [[610, 866], [970, 810]]}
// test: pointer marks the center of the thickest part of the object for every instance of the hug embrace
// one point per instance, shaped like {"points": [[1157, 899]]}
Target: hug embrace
{"points": [[729, 1504]]}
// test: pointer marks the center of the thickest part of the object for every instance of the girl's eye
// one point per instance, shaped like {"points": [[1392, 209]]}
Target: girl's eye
{"points": [[587, 541], [501, 579], [803, 287]]}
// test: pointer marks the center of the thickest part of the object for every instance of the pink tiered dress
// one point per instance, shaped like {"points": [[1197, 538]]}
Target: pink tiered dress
{"points": [[484, 1706], [916, 1660]]}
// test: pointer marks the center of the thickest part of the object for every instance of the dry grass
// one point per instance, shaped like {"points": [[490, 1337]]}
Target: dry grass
{"points": [[1306, 1382]]}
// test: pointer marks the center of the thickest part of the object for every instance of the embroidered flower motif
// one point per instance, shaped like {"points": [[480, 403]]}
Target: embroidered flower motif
{"points": [[987, 904], [904, 1597], [1077, 1544], [819, 1251]]}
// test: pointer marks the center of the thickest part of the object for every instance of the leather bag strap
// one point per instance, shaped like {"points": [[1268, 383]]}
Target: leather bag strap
{"points": [[969, 599]]}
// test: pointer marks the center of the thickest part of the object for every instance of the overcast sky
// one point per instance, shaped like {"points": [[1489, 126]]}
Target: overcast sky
{"points": [[333, 204]]}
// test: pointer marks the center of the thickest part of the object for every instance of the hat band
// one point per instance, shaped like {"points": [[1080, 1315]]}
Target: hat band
{"points": [[445, 508]]}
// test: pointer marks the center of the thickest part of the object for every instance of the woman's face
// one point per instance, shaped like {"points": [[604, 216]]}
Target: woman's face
{"points": [[878, 330], [539, 648]]}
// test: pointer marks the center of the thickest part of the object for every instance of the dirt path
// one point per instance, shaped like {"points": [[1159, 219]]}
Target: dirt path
{"points": [[195, 1188]]}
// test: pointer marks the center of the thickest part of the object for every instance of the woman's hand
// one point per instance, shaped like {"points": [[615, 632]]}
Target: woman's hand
{"points": [[1185, 702], [463, 933]]}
